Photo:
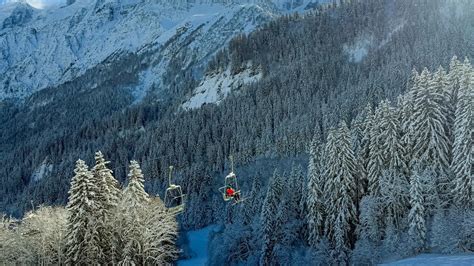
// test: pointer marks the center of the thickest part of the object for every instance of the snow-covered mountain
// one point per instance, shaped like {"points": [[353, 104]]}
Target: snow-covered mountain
{"points": [[41, 48], [44, 48]]}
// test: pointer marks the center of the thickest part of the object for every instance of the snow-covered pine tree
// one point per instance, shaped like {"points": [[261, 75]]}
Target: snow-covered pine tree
{"points": [[110, 188], [393, 181], [394, 197], [269, 226], [331, 167], [416, 217], [292, 212], [135, 193], [112, 185], [369, 233], [453, 80], [392, 146], [364, 152], [253, 203], [314, 197], [406, 105], [376, 157], [431, 143], [83, 245], [463, 148], [341, 193], [133, 205]]}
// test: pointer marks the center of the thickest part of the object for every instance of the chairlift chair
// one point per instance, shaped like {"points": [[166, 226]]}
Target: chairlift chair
{"points": [[231, 182], [174, 197]]}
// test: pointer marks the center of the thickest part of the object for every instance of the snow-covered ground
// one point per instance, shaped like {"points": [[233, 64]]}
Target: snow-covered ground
{"points": [[436, 259], [198, 242]]}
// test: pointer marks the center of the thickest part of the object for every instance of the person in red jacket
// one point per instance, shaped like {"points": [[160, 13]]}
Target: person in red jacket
{"points": [[229, 192]]}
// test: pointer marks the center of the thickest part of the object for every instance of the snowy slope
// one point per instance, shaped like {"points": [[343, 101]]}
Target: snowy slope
{"points": [[216, 86], [436, 259], [198, 242], [44, 48]]}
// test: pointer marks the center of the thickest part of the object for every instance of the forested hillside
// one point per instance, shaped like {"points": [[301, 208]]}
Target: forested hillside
{"points": [[395, 183], [317, 69]]}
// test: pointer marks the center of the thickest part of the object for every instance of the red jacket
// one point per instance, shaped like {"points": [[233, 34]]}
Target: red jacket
{"points": [[229, 192]]}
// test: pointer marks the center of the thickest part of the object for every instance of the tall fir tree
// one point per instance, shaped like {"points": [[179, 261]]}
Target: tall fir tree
{"points": [[252, 204], [431, 143], [376, 156], [314, 198], [135, 201], [112, 186], [416, 217], [393, 180], [269, 221], [83, 245], [463, 150], [453, 80], [342, 194]]}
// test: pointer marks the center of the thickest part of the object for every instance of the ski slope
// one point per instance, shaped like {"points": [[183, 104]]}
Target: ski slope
{"points": [[436, 259], [198, 242]]}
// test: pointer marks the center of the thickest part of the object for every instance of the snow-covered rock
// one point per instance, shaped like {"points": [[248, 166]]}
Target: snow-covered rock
{"points": [[216, 86], [41, 171]]}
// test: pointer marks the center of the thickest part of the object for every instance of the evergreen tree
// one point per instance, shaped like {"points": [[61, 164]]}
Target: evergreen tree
{"points": [[293, 217], [314, 198], [394, 196], [112, 186], [341, 192], [134, 203], [392, 146], [269, 219], [393, 180], [452, 90], [406, 105], [376, 156], [369, 231], [431, 143], [253, 203], [84, 221], [463, 150], [416, 217], [364, 151]]}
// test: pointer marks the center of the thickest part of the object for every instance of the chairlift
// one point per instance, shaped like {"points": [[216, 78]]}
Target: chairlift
{"points": [[174, 197], [231, 189]]}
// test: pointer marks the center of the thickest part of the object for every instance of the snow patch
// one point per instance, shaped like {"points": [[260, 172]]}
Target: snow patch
{"points": [[359, 49], [389, 37], [436, 259], [215, 87], [198, 243], [43, 170]]}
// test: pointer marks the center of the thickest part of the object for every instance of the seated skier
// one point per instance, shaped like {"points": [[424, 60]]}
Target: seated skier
{"points": [[229, 192]]}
